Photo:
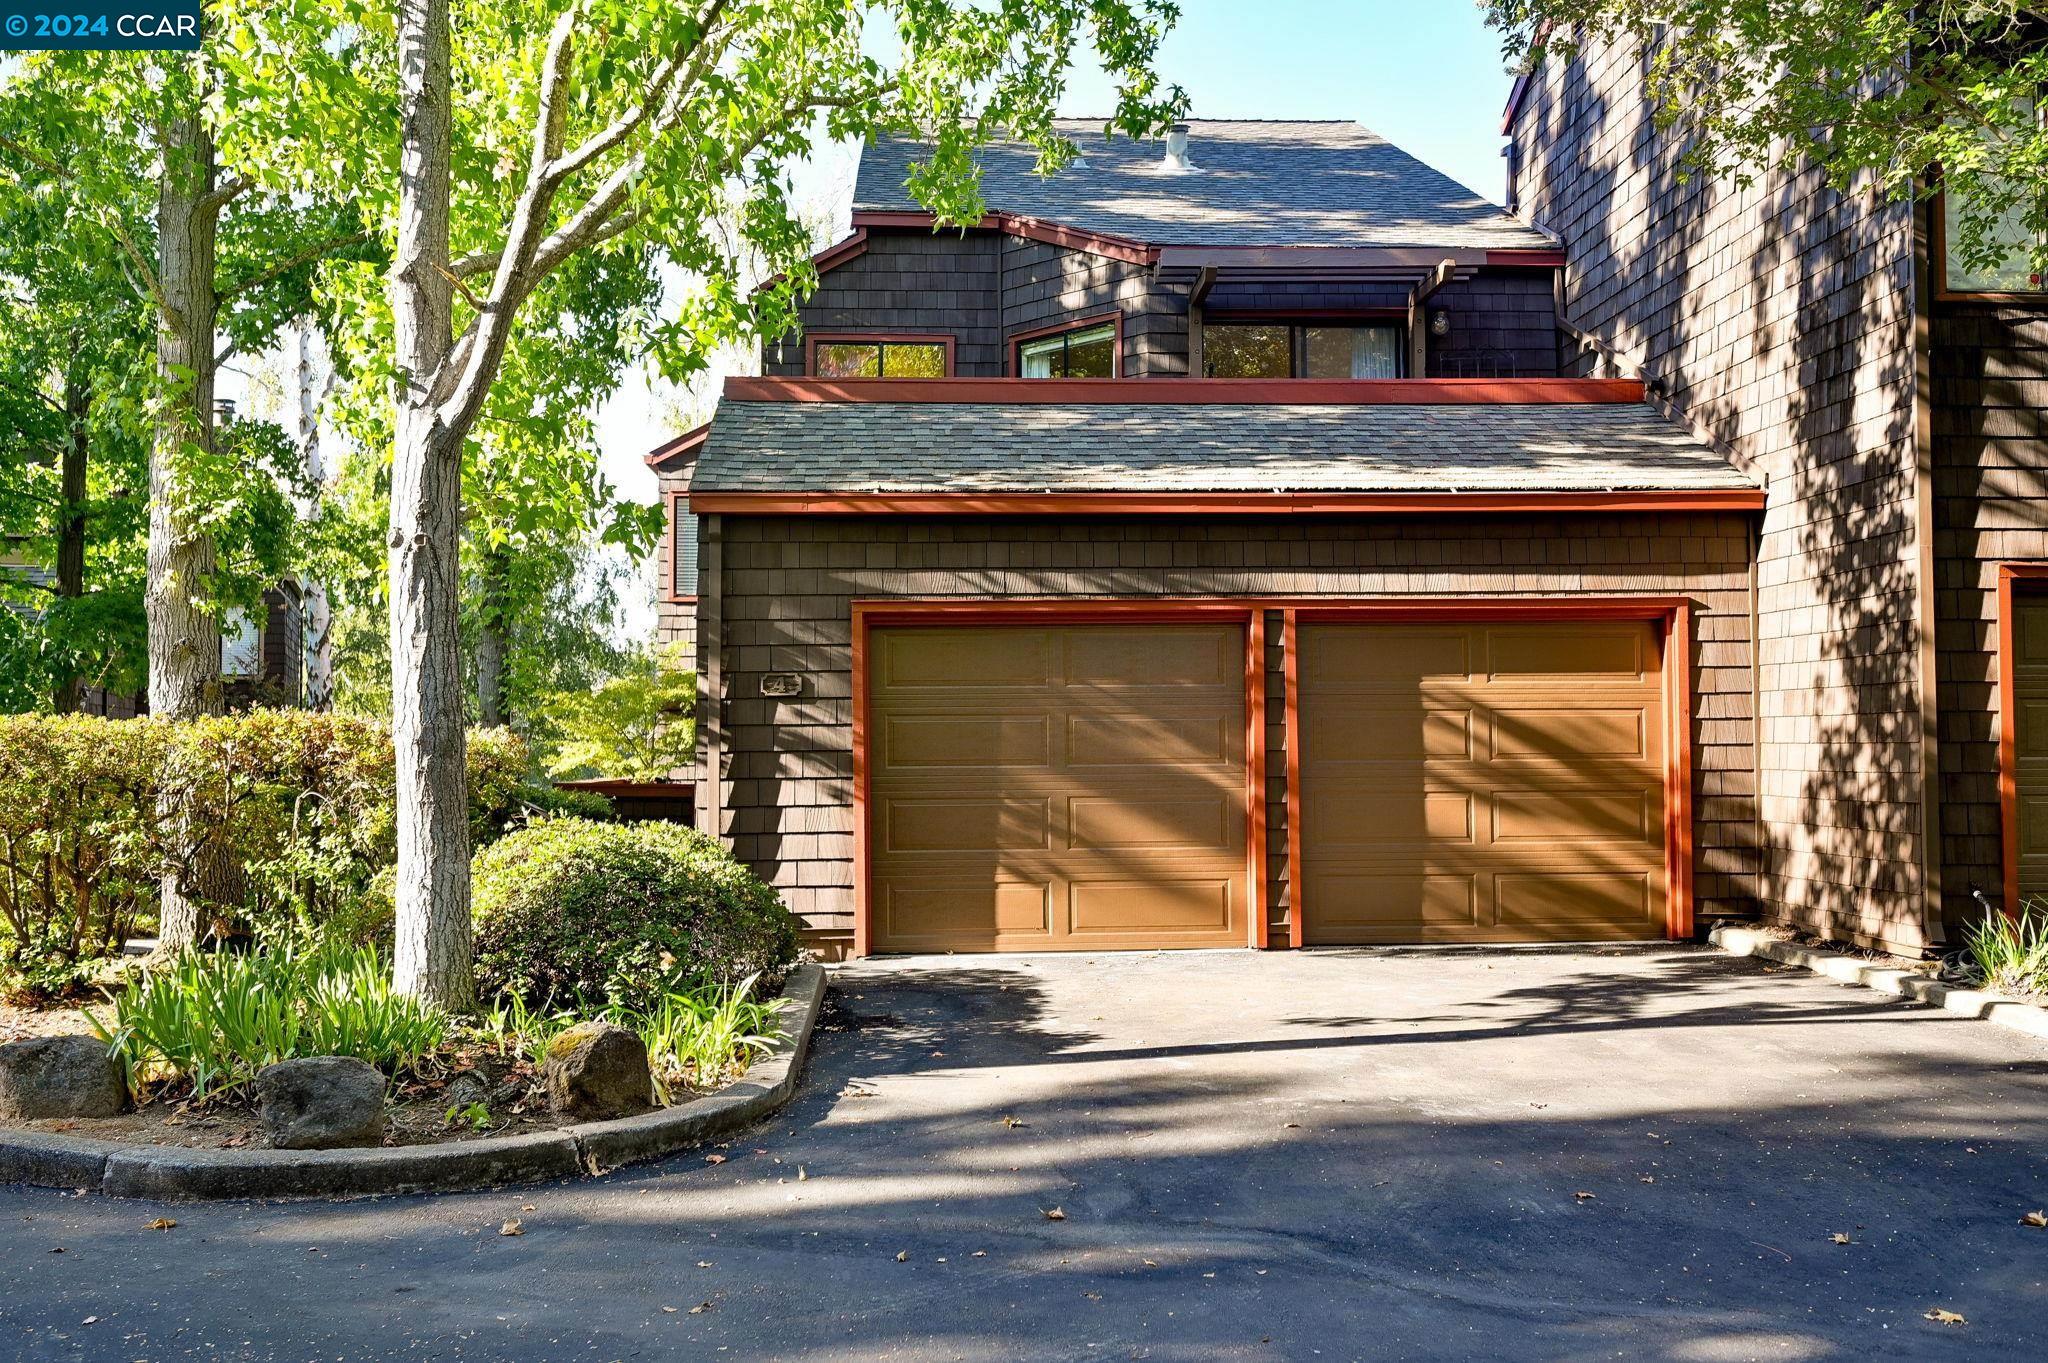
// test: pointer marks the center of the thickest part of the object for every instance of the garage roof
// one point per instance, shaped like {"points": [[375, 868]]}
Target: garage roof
{"points": [[1152, 446]]}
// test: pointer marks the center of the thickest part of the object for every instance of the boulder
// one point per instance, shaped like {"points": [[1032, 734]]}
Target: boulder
{"points": [[596, 1070], [59, 1076], [324, 1102]]}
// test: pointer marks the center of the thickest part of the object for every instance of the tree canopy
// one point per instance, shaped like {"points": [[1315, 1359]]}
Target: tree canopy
{"points": [[1889, 89]]}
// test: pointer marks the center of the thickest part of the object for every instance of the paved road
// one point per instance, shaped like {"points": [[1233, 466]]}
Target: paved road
{"points": [[1541, 1155]]}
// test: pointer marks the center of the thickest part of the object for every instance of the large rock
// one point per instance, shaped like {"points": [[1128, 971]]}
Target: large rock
{"points": [[596, 1070], [324, 1102], [59, 1076]]}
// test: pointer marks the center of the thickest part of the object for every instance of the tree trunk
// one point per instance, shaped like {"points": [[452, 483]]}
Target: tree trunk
{"points": [[71, 522], [428, 711], [317, 611], [492, 644], [184, 633]]}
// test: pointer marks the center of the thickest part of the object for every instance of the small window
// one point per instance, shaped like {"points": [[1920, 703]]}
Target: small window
{"points": [[683, 559], [842, 358], [1274, 350], [2012, 271], [1085, 353]]}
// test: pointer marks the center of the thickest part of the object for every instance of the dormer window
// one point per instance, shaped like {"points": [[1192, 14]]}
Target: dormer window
{"points": [[1087, 350], [870, 356], [1283, 350]]}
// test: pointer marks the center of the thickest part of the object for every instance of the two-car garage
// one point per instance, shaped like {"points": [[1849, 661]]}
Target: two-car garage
{"points": [[1096, 778]]}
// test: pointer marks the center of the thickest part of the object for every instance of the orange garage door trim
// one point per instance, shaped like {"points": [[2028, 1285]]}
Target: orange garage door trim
{"points": [[1046, 783]]}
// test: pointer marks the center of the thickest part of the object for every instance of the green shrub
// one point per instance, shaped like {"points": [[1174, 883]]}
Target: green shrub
{"points": [[2012, 953], [614, 914], [212, 1020], [303, 803]]}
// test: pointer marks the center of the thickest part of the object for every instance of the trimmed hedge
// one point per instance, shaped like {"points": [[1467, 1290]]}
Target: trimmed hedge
{"points": [[568, 910], [304, 803]]}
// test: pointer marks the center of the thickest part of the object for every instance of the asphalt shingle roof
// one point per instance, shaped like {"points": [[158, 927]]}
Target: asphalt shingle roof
{"points": [[1257, 184], [908, 447]]}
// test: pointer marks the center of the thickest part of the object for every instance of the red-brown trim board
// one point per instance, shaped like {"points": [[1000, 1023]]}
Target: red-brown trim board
{"points": [[2010, 576], [1187, 391], [1217, 503]]}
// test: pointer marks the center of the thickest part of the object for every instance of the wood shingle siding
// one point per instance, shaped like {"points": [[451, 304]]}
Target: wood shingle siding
{"points": [[1779, 319], [910, 281], [787, 586]]}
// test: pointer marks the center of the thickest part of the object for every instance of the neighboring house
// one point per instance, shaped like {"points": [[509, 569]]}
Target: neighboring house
{"points": [[1216, 546], [1893, 405]]}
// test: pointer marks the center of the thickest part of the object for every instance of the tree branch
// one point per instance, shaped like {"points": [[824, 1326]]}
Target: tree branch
{"points": [[290, 263], [223, 194]]}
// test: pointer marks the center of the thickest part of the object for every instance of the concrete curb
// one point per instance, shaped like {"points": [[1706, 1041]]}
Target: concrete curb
{"points": [[167, 1173], [2002, 1009]]}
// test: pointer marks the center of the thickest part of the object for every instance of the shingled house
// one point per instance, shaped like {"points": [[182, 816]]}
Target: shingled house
{"points": [[1211, 547], [1259, 539]]}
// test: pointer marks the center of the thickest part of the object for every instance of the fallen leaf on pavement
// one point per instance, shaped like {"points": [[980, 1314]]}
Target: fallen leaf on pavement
{"points": [[1291, 1126], [801, 1175], [2038, 1220], [668, 1310], [1941, 1317], [1839, 1238], [902, 1256], [1013, 1122], [1054, 1214], [714, 1159], [512, 1227], [161, 1223], [90, 1320], [700, 1308], [1584, 1197], [703, 1263]]}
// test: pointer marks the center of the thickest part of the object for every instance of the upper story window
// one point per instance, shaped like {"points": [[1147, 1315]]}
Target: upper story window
{"points": [[1279, 350], [881, 357], [2012, 239], [1084, 352]]}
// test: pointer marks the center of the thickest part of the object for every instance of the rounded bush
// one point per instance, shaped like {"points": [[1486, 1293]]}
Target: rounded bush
{"points": [[574, 911]]}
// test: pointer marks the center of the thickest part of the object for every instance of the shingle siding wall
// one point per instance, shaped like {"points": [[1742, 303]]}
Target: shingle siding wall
{"points": [[1503, 326], [1780, 318], [1044, 285], [909, 281], [1990, 414], [788, 584]]}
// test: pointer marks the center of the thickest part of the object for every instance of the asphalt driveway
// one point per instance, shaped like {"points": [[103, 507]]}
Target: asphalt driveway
{"points": [[1637, 1153]]}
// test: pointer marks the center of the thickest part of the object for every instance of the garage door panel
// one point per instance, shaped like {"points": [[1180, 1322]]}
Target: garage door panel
{"points": [[1360, 906], [1373, 813], [1138, 740], [1576, 817], [913, 742], [1089, 795], [1577, 900], [1565, 734], [1546, 826], [966, 825], [973, 658], [965, 910], [1192, 823], [1545, 653], [1398, 659], [1367, 731], [1159, 905], [1152, 656]]}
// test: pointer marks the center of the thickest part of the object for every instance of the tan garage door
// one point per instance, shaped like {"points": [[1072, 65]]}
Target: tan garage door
{"points": [[1481, 782], [2030, 738], [1043, 786]]}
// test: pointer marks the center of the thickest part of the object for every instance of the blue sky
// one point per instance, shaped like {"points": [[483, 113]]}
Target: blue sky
{"points": [[1425, 74]]}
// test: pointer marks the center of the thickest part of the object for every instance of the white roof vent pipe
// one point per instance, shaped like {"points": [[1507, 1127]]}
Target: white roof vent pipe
{"points": [[1177, 162]]}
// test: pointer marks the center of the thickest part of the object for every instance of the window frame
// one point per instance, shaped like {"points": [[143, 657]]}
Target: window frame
{"points": [[1937, 250], [878, 339], [1298, 321], [1114, 319], [678, 508]]}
